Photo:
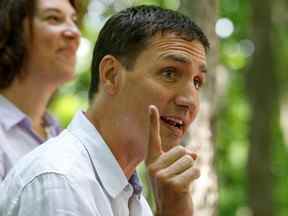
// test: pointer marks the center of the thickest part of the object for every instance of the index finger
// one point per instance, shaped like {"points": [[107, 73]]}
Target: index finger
{"points": [[154, 144]]}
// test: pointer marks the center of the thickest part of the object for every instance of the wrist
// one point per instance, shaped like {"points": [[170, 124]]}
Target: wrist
{"points": [[172, 207]]}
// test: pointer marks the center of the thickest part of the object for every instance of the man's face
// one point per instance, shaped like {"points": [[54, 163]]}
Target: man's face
{"points": [[168, 74], [53, 41]]}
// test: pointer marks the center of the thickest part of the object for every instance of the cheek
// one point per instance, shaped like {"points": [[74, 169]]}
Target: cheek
{"points": [[197, 107], [42, 46], [141, 96], [158, 95], [47, 37]]}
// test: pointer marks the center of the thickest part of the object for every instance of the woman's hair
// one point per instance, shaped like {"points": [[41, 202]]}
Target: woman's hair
{"points": [[12, 46]]}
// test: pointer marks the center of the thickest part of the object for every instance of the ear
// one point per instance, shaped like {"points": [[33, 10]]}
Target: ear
{"points": [[110, 74]]}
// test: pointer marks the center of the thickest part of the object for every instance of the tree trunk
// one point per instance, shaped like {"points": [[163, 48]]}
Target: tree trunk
{"points": [[201, 137], [262, 87]]}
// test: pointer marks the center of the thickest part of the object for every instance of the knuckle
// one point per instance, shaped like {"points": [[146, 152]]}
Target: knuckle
{"points": [[197, 173], [188, 159], [194, 173], [180, 150], [161, 177]]}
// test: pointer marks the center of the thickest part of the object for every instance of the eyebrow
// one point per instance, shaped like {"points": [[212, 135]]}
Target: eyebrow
{"points": [[50, 10], [177, 58], [47, 10], [183, 59]]}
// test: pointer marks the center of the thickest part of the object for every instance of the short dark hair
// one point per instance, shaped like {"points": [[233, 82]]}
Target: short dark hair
{"points": [[12, 47], [127, 33]]}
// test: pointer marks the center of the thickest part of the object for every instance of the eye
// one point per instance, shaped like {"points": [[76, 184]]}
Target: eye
{"points": [[53, 19], [169, 74], [198, 82]]}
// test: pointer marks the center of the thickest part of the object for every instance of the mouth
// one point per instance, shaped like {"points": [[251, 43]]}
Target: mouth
{"points": [[176, 125], [69, 51]]}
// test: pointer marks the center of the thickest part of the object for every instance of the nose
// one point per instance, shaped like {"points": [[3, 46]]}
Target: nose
{"points": [[72, 31], [188, 98]]}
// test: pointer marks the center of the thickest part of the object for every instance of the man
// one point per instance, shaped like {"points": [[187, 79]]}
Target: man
{"points": [[148, 67]]}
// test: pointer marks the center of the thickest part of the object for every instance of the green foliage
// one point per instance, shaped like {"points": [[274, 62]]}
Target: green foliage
{"points": [[232, 146], [148, 2], [280, 172], [66, 106], [142, 172], [281, 49], [233, 120]]}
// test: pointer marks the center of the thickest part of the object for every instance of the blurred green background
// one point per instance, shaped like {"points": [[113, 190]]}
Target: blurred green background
{"points": [[236, 49]]}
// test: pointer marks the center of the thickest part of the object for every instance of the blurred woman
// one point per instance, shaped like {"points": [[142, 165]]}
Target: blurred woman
{"points": [[38, 44]]}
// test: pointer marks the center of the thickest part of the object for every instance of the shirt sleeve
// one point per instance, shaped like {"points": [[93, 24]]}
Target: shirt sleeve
{"points": [[52, 195], [2, 166]]}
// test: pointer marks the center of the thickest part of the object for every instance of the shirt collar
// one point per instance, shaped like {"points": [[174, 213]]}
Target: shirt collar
{"points": [[107, 167], [52, 125], [49, 121], [10, 114], [135, 182]]}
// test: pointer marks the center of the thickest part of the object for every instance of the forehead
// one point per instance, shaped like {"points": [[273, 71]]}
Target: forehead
{"points": [[168, 45], [53, 4]]}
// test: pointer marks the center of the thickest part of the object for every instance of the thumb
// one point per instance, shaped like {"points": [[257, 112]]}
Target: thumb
{"points": [[154, 143]]}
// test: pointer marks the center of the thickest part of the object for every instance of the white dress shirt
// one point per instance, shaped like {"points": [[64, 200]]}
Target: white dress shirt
{"points": [[74, 174]]}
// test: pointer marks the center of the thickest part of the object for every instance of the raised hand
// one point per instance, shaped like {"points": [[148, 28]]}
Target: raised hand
{"points": [[171, 173]]}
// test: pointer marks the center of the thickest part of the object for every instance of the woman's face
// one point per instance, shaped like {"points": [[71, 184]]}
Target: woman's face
{"points": [[53, 41]]}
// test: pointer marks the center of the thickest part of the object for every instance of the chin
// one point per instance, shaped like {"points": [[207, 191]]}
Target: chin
{"points": [[64, 76], [68, 71], [71, 74]]}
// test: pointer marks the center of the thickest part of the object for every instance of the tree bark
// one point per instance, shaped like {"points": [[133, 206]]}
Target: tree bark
{"points": [[201, 137], [262, 87]]}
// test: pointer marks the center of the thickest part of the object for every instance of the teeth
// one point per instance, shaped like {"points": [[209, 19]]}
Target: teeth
{"points": [[176, 121], [172, 121]]}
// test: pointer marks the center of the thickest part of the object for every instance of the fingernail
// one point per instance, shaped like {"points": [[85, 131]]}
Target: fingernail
{"points": [[192, 154], [151, 107]]}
